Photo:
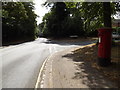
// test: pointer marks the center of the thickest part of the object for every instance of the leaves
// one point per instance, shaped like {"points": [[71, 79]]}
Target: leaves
{"points": [[77, 17], [18, 21], [63, 20]]}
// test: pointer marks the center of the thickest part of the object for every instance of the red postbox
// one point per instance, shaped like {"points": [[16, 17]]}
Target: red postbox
{"points": [[104, 46]]}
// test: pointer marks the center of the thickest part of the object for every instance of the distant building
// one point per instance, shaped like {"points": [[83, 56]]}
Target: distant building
{"points": [[116, 23]]}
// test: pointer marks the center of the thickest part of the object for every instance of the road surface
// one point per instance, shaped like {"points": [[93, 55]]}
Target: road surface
{"points": [[21, 63]]}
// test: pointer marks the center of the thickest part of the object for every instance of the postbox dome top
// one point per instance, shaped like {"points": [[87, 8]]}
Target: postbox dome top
{"points": [[105, 29]]}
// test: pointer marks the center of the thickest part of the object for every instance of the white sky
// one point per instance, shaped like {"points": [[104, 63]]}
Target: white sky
{"points": [[117, 16], [40, 10]]}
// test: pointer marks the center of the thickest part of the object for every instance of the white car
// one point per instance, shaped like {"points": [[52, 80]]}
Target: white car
{"points": [[115, 35]]}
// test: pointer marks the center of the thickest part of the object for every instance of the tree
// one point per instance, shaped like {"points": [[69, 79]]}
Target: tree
{"points": [[18, 21], [30, 23], [107, 14], [11, 19], [92, 13], [75, 26], [63, 21], [88, 15], [54, 19]]}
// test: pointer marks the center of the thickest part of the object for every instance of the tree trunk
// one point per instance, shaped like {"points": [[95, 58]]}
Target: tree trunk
{"points": [[107, 14]]}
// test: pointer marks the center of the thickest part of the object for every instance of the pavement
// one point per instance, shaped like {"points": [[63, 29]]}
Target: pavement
{"points": [[60, 71]]}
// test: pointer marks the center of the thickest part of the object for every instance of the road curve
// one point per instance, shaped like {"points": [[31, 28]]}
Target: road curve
{"points": [[21, 63]]}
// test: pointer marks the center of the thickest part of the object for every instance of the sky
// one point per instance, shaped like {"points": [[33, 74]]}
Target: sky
{"points": [[117, 16], [40, 10]]}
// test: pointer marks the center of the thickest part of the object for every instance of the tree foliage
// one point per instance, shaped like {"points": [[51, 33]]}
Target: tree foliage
{"points": [[80, 18], [62, 21], [93, 14], [54, 20], [18, 21]]}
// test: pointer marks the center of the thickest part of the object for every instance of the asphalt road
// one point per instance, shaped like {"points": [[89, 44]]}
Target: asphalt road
{"points": [[21, 63]]}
